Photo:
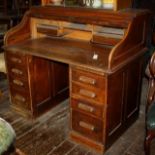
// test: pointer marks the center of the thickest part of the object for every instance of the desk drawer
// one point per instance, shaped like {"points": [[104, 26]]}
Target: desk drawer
{"points": [[16, 58], [18, 83], [88, 93], [86, 107], [87, 126], [20, 98], [17, 71], [88, 78]]}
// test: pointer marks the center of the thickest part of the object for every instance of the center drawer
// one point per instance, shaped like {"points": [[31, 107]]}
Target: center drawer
{"points": [[87, 126]]}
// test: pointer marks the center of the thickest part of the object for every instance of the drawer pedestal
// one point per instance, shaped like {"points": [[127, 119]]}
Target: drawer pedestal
{"points": [[100, 104], [34, 82]]}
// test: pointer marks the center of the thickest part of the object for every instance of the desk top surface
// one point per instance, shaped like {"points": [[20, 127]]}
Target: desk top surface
{"points": [[73, 52]]}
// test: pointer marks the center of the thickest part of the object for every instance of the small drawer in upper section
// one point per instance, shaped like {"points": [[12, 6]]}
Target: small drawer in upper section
{"points": [[50, 30], [88, 78], [16, 58], [107, 35], [44, 27]]}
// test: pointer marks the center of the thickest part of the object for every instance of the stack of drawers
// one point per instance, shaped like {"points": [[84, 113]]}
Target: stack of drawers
{"points": [[32, 95], [18, 79], [88, 104]]}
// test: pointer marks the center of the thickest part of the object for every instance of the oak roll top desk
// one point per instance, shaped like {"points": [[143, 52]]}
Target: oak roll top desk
{"points": [[97, 54]]}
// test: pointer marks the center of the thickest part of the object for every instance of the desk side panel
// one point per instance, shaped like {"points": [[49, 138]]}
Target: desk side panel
{"points": [[133, 44], [18, 33], [123, 100]]}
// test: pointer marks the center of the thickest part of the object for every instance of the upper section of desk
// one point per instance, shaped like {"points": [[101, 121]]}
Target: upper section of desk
{"points": [[98, 39]]}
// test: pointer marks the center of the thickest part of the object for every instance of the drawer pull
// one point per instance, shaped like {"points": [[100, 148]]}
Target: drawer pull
{"points": [[85, 107], [18, 82], [86, 126], [87, 80], [20, 98], [17, 71], [17, 60], [87, 93]]}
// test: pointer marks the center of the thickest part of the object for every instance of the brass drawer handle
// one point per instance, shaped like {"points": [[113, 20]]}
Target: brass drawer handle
{"points": [[17, 60], [87, 93], [85, 107], [86, 126], [18, 82], [17, 71], [20, 98], [87, 80]]}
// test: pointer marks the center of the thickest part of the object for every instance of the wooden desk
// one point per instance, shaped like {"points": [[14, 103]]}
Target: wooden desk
{"points": [[104, 58]]}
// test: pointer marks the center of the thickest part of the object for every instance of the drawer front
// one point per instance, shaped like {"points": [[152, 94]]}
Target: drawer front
{"points": [[87, 126], [18, 83], [20, 98], [16, 58], [88, 78], [88, 93], [17, 71], [86, 107]]}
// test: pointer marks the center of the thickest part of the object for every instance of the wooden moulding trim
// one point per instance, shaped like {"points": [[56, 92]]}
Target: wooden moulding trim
{"points": [[87, 142]]}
